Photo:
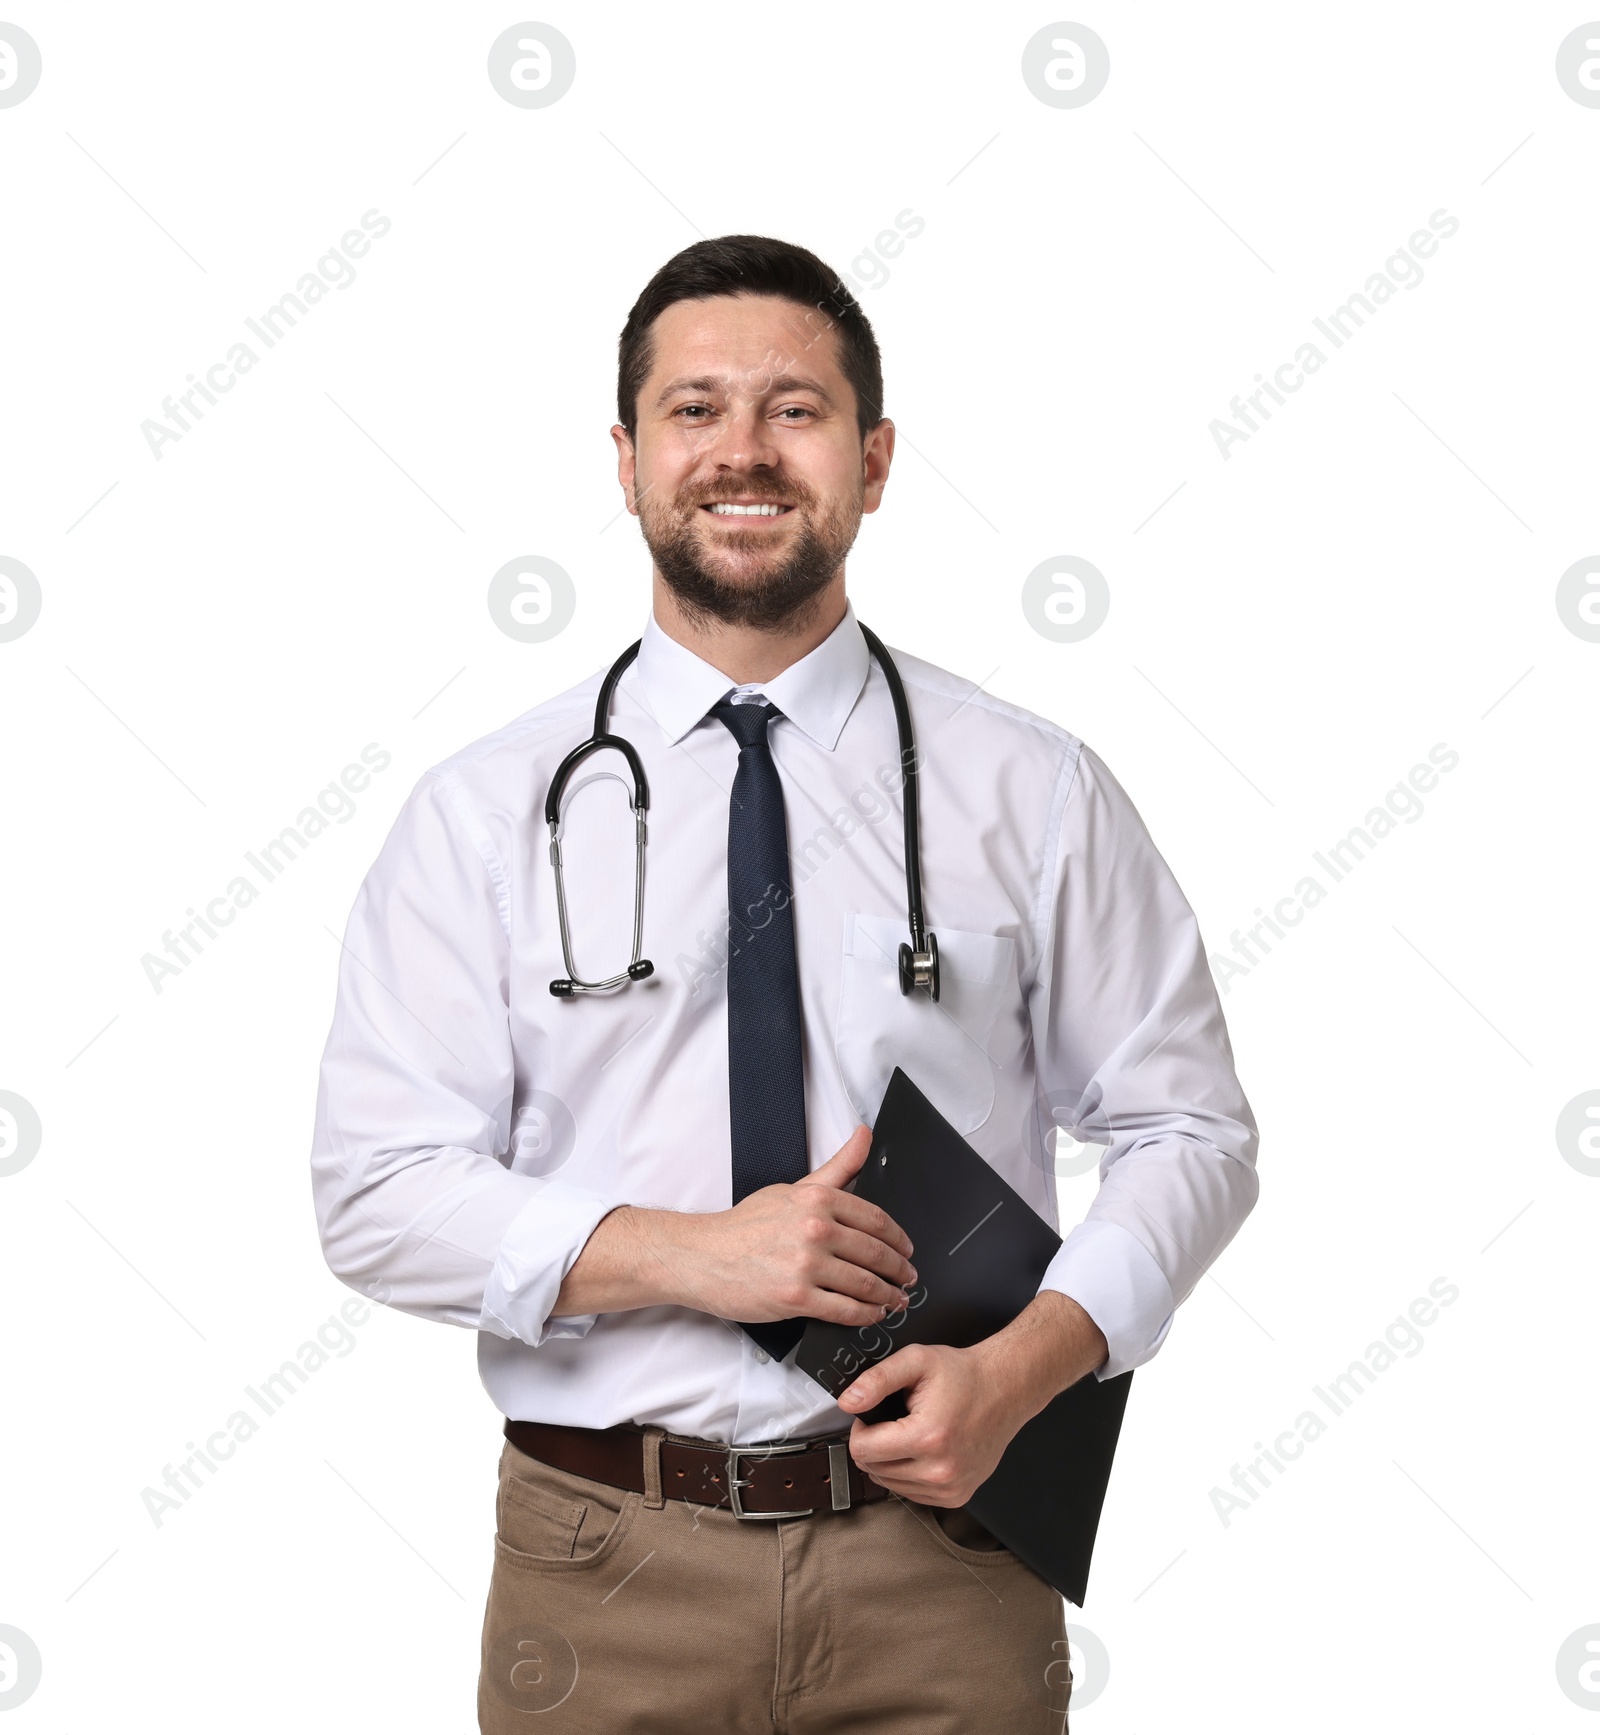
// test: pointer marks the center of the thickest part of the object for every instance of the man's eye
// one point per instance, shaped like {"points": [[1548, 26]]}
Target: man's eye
{"points": [[796, 409]]}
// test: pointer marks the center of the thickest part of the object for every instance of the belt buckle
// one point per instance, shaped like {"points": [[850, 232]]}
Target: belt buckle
{"points": [[735, 1483]]}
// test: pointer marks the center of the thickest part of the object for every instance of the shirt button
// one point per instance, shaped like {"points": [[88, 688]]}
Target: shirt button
{"points": [[762, 1356]]}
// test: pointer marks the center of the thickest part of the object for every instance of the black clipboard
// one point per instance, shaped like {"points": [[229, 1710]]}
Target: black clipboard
{"points": [[981, 1251]]}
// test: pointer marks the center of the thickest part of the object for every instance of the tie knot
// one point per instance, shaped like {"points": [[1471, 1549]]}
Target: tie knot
{"points": [[747, 722]]}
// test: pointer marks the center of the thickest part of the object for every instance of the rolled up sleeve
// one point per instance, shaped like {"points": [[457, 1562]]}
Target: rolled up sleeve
{"points": [[1133, 1054], [415, 1199]]}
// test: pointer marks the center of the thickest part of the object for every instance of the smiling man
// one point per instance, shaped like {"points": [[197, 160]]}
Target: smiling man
{"points": [[638, 1196]]}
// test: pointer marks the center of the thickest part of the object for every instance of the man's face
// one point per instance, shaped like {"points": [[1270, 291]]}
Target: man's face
{"points": [[746, 407]]}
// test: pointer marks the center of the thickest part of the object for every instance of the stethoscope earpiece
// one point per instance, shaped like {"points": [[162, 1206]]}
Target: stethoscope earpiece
{"points": [[919, 961]]}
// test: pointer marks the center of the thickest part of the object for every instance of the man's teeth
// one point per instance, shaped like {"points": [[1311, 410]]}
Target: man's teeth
{"points": [[723, 509]]}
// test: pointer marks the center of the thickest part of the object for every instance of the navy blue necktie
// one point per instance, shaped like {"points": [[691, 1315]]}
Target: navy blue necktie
{"points": [[766, 1083]]}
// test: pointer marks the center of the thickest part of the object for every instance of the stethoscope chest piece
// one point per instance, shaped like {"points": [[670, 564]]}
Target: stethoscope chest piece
{"points": [[920, 969]]}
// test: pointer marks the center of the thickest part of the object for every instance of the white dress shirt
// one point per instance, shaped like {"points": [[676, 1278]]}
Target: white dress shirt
{"points": [[472, 1129]]}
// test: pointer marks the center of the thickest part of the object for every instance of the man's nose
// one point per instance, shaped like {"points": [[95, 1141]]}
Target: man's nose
{"points": [[744, 439]]}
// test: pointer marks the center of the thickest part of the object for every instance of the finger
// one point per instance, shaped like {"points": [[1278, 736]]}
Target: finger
{"points": [[914, 1489], [862, 1214], [845, 1163], [904, 1490], [840, 1309], [895, 1373], [845, 1277], [858, 1248], [889, 1448]]}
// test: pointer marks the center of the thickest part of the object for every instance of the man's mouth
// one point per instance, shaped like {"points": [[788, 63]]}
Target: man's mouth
{"points": [[739, 509]]}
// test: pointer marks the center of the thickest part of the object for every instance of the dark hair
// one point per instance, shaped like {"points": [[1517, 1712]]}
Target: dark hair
{"points": [[752, 265]]}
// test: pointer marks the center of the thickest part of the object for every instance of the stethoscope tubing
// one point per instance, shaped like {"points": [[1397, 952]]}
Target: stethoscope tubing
{"points": [[919, 962]]}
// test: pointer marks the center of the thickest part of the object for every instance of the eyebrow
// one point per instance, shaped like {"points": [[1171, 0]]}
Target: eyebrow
{"points": [[709, 383]]}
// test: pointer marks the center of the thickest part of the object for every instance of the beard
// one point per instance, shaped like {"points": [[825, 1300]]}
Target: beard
{"points": [[770, 589]]}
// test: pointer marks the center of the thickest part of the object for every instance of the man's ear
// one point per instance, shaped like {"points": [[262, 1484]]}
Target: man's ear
{"points": [[627, 465], [877, 454]]}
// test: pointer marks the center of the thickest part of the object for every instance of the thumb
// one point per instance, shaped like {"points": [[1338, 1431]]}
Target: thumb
{"points": [[845, 1163], [895, 1373]]}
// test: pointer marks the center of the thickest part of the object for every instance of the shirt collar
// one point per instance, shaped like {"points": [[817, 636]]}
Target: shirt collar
{"points": [[817, 693]]}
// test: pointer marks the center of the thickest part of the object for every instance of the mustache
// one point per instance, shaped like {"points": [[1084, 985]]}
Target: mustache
{"points": [[762, 493]]}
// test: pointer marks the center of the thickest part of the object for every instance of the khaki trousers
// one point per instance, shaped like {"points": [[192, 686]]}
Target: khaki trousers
{"points": [[612, 1611]]}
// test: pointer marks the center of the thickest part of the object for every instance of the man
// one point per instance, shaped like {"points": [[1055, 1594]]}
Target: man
{"points": [[636, 1197]]}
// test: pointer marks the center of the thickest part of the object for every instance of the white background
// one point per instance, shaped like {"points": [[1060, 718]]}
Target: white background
{"points": [[1372, 573]]}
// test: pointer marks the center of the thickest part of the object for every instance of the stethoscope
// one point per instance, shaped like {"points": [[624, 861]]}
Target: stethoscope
{"points": [[919, 961]]}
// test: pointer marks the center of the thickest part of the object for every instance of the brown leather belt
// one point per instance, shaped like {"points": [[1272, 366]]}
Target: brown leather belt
{"points": [[780, 1481]]}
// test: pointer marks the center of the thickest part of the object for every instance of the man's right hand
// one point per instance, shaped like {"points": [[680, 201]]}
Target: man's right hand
{"points": [[798, 1250], [803, 1249]]}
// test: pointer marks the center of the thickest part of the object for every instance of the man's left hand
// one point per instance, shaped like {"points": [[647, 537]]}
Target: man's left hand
{"points": [[965, 1406]]}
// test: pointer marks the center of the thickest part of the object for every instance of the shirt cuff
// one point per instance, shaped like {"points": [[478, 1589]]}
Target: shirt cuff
{"points": [[539, 1248], [1113, 1278]]}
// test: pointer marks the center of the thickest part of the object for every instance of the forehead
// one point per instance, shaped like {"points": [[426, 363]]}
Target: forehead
{"points": [[731, 334]]}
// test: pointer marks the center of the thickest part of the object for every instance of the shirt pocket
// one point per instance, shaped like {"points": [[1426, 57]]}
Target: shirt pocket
{"points": [[946, 1046]]}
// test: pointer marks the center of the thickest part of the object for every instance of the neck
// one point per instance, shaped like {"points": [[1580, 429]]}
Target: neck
{"points": [[747, 655]]}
